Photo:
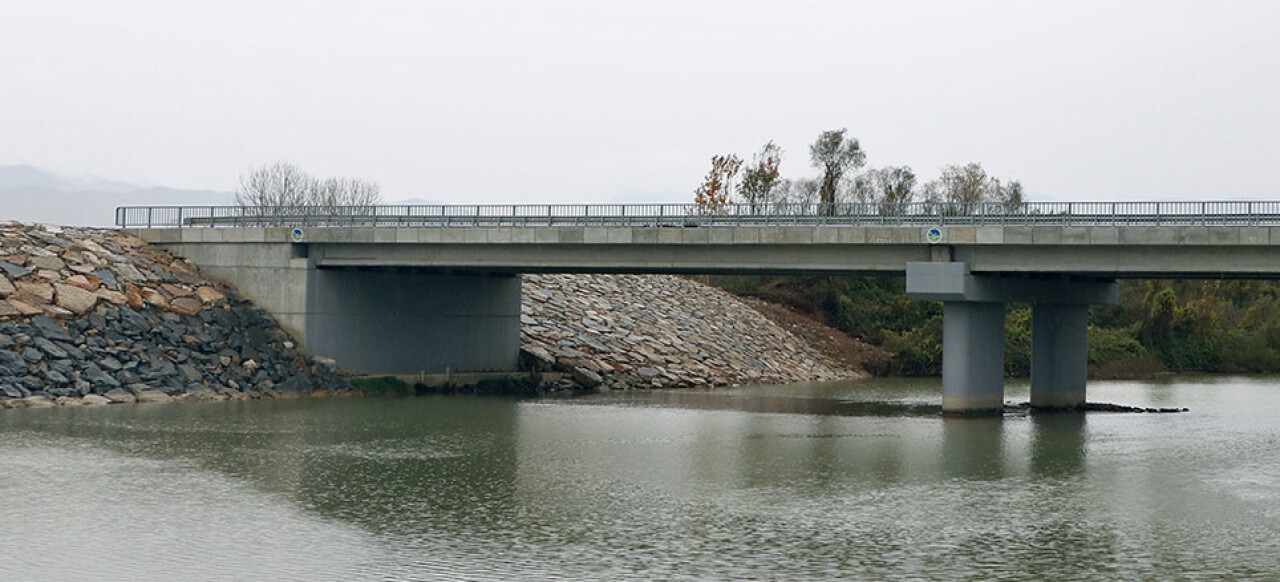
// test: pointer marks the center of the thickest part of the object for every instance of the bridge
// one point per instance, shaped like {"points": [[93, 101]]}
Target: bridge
{"points": [[409, 289]]}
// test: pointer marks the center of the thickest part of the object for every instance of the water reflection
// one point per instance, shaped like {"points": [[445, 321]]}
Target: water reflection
{"points": [[973, 447], [1058, 444]]}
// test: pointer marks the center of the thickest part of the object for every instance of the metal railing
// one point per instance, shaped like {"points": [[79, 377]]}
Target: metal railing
{"points": [[1206, 213]]}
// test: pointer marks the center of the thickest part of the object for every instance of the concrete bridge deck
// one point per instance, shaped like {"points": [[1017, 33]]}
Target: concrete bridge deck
{"points": [[1113, 252]]}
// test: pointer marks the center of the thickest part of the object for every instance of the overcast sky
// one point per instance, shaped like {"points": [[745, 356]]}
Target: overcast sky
{"points": [[593, 101]]}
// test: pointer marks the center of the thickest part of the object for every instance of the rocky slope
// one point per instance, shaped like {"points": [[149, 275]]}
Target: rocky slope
{"points": [[95, 316], [642, 331]]}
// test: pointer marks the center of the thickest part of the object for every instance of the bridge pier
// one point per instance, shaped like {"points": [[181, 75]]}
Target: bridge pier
{"points": [[973, 356], [973, 334], [1059, 354]]}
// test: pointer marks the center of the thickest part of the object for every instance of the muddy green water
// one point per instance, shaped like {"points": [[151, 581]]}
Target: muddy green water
{"points": [[857, 480]]}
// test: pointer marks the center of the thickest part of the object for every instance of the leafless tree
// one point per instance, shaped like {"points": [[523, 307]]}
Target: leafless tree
{"points": [[798, 196], [334, 194], [964, 188], [278, 184], [282, 188]]}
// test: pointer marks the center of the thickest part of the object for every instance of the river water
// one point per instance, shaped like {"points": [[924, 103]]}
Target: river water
{"points": [[853, 480]]}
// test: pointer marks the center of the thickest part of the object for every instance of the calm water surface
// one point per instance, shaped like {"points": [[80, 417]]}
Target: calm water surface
{"points": [[855, 480]]}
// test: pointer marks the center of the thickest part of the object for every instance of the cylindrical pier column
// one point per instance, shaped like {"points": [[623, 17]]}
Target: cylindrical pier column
{"points": [[972, 357], [1059, 355]]}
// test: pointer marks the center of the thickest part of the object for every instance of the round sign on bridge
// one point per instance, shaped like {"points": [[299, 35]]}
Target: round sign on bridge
{"points": [[933, 235], [296, 235]]}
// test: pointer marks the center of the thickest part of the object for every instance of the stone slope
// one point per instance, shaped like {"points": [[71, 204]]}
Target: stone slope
{"points": [[89, 315], [645, 331]]}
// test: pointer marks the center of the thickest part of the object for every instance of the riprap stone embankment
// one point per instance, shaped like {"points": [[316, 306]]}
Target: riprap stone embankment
{"points": [[654, 331], [96, 316]]}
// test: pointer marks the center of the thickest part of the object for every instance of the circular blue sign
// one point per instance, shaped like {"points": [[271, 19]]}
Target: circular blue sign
{"points": [[934, 235]]}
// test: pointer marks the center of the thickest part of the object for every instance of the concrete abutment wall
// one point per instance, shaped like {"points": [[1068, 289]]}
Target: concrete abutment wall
{"points": [[375, 321]]}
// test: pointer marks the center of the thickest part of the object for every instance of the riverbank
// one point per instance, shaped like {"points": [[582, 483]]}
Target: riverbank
{"points": [[93, 316], [659, 331]]}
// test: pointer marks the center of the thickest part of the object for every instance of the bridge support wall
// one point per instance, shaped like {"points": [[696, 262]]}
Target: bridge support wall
{"points": [[375, 321], [973, 334], [388, 322]]}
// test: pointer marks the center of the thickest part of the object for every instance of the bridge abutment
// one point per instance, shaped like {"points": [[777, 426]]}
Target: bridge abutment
{"points": [[407, 322], [973, 334]]}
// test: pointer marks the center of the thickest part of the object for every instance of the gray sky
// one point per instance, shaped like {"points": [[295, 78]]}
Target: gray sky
{"points": [[593, 101]]}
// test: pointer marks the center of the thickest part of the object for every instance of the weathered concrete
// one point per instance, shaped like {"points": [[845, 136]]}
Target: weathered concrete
{"points": [[1112, 252], [388, 322], [1059, 355], [973, 357]]}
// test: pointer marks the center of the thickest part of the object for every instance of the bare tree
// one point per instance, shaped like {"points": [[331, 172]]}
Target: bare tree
{"points": [[283, 188], [337, 193], [890, 188], [278, 184], [964, 188], [798, 196], [762, 177], [835, 155]]}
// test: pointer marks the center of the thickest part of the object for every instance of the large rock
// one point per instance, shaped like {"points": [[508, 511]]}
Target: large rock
{"points": [[210, 295], [120, 396], [24, 307], [74, 299], [14, 271], [6, 288], [112, 297], [50, 328], [40, 292], [186, 305], [50, 263]]}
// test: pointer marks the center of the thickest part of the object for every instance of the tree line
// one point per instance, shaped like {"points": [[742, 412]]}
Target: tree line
{"points": [[284, 185], [840, 160]]}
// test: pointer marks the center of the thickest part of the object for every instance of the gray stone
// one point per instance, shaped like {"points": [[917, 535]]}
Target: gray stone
{"points": [[108, 278], [128, 377], [191, 373], [101, 380], [145, 395], [14, 271], [120, 396], [49, 348], [94, 400], [295, 384], [586, 378], [50, 328]]}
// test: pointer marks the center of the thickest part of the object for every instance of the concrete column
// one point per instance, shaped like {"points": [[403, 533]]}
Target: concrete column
{"points": [[972, 357], [1059, 355]]}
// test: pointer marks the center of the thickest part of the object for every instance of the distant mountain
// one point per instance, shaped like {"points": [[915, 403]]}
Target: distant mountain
{"points": [[30, 194]]}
